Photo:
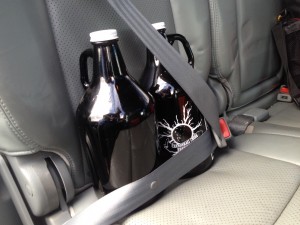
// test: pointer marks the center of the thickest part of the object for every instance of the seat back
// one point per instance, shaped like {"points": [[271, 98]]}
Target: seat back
{"points": [[244, 52], [36, 118], [244, 57], [191, 18]]}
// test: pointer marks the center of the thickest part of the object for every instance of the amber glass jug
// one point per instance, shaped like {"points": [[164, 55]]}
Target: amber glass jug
{"points": [[115, 117], [178, 120]]}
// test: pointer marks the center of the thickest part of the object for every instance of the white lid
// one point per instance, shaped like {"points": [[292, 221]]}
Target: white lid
{"points": [[159, 26], [103, 35]]}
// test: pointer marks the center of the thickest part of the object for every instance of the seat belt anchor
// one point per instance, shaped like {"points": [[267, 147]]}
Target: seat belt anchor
{"points": [[284, 94], [225, 132]]}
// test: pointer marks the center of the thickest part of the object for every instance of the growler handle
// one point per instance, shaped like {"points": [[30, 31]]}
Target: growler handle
{"points": [[178, 37], [83, 63]]}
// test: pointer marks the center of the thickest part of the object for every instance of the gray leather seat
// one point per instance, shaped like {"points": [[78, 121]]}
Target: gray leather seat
{"points": [[37, 123], [241, 188], [278, 147], [40, 90], [245, 56], [243, 51], [283, 120]]}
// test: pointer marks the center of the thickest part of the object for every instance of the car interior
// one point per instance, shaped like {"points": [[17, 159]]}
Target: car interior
{"points": [[45, 175]]}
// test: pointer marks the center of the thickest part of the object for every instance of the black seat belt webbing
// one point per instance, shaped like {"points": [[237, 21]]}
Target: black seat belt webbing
{"points": [[123, 201], [280, 41]]}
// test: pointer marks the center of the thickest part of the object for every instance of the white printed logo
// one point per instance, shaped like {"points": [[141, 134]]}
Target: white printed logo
{"points": [[181, 133]]}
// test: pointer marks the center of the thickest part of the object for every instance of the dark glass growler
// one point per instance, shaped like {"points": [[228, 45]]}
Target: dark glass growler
{"points": [[178, 120], [115, 117]]}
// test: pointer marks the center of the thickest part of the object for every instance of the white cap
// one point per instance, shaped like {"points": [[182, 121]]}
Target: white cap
{"points": [[103, 35], [159, 26]]}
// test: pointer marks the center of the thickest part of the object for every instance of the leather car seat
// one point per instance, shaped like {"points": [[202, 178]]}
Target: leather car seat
{"points": [[40, 89]]}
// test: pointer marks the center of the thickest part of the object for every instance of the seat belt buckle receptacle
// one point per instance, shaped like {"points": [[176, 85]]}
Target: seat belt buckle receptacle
{"points": [[284, 94]]}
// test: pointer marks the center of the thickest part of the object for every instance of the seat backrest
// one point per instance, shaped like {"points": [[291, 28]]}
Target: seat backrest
{"points": [[36, 117], [191, 18], [35, 109], [243, 49]]}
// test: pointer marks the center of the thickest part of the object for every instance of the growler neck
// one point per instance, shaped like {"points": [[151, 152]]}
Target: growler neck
{"points": [[108, 60], [163, 33], [105, 42]]}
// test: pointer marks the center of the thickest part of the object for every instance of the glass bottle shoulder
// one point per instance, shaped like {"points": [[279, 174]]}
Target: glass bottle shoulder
{"points": [[119, 101]]}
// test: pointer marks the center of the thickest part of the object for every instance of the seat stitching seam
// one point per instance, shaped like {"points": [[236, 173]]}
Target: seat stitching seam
{"points": [[238, 150], [287, 204], [12, 124], [215, 33], [19, 133], [51, 22], [238, 49]]}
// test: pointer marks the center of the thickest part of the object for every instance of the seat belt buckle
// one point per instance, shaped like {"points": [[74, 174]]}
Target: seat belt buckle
{"points": [[284, 94], [225, 130]]}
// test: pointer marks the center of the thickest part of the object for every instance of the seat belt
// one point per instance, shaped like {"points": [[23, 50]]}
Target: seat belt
{"points": [[279, 36], [121, 202]]}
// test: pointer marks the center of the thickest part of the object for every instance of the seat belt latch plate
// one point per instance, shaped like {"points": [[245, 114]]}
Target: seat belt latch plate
{"points": [[225, 128]]}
